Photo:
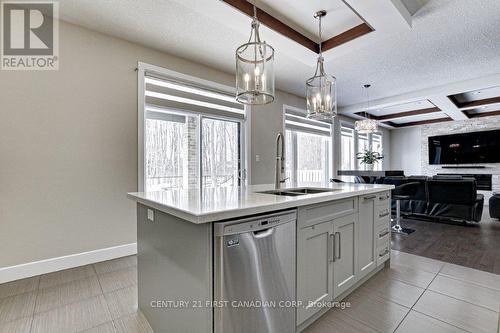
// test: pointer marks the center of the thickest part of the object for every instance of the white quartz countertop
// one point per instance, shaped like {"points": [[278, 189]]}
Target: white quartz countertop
{"points": [[215, 204]]}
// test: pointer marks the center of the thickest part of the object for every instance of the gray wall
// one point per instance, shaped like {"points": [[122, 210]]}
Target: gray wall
{"points": [[68, 146], [266, 122], [405, 150]]}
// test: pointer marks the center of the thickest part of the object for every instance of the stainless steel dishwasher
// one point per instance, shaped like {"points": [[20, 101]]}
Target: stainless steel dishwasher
{"points": [[254, 282]]}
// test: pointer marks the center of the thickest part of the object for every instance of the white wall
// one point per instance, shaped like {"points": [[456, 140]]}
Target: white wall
{"points": [[68, 146], [405, 150]]}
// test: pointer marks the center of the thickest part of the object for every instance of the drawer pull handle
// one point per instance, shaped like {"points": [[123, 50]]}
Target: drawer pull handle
{"points": [[370, 197], [332, 238], [383, 234], [383, 198], [340, 246], [383, 215], [386, 251]]}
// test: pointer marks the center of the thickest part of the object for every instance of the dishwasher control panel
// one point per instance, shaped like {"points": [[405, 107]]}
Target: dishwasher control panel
{"points": [[254, 224]]}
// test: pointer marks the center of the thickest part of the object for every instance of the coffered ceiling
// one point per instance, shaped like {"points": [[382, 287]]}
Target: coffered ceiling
{"points": [[420, 50]]}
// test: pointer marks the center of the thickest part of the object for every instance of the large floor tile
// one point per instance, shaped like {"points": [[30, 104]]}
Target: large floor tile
{"points": [[376, 312], [469, 292], [485, 279], [415, 277], [336, 321], [104, 328], [62, 294], [458, 313], [15, 307], [19, 287], [417, 262], [118, 279], [122, 302], [22, 325], [115, 264], [134, 323], [416, 322], [74, 317], [393, 290], [68, 275]]}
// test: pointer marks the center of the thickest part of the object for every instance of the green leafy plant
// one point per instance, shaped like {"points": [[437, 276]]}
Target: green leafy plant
{"points": [[369, 157]]}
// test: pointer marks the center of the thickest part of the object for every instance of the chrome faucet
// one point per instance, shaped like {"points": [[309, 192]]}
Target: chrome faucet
{"points": [[280, 161]]}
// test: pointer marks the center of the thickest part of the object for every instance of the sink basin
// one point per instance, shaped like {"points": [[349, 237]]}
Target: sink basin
{"points": [[280, 192], [292, 192], [311, 190]]}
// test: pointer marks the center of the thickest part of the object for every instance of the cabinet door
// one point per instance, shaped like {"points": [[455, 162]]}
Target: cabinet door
{"points": [[314, 268], [366, 230], [345, 253]]}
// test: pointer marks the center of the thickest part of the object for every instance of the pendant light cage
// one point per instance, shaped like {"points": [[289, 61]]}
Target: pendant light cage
{"points": [[321, 89], [255, 69], [366, 126]]}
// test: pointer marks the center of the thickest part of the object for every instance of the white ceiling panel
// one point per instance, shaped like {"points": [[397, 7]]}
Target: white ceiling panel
{"points": [[299, 15], [411, 106], [478, 94], [422, 117]]}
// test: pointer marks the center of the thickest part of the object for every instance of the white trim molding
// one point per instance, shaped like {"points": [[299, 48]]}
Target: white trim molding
{"points": [[35, 268]]}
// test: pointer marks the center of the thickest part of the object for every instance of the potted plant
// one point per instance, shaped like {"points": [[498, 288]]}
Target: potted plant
{"points": [[369, 158]]}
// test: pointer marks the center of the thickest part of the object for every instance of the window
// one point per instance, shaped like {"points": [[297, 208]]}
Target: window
{"points": [[351, 143], [308, 147], [348, 155], [193, 135], [377, 146], [363, 144]]}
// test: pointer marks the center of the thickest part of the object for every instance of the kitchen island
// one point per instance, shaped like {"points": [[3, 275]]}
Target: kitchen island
{"points": [[226, 259]]}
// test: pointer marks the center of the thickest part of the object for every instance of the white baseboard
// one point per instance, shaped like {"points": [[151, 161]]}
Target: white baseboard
{"points": [[22, 271]]}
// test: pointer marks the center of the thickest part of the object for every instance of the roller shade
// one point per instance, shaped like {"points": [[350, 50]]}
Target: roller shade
{"points": [[169, 93], [296, 121]]}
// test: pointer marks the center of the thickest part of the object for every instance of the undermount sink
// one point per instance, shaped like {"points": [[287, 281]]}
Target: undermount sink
{"points": [[279, 192], [299, 191], [311, 190]]}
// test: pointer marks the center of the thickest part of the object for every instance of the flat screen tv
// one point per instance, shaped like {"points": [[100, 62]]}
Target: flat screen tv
{"points": [[465, 148]]}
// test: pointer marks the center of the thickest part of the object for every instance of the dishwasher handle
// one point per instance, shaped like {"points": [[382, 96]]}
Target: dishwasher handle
{"points": [[263, 233]]}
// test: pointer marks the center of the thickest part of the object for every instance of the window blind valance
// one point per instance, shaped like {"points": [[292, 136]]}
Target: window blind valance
{"points": [[296, 121], [169, 93]]}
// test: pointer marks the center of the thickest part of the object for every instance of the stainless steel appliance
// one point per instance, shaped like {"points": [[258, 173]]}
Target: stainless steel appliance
{"points": [[254, 283]]}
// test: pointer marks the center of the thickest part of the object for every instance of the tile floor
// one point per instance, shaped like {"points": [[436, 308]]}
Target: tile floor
{"points": [[416, 294]]}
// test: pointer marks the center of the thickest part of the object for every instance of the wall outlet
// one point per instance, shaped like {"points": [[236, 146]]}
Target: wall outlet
{"points": [[257, 158], [151, 215]]}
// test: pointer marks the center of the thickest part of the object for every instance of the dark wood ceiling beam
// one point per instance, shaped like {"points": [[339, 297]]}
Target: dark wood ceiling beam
{"points": [[421, 122], [399, 114], [483, 114], [346, 36], [273, 23], [474, 104]]}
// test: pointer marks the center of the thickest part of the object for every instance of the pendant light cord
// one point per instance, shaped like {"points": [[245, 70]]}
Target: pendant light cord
{"points": [[320, 39]]}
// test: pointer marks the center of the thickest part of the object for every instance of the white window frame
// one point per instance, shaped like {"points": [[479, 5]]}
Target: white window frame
{"points": [[329, 148], [142, 68], [356, 144]]}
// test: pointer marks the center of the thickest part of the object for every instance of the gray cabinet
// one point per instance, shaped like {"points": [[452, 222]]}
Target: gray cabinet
{"points": [[345, 235], [314, 268], [367, 257]]}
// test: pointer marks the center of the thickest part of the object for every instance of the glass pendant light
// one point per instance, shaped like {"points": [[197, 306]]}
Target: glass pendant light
{"points": [[321, 89], [255, 69], [366, 126]]}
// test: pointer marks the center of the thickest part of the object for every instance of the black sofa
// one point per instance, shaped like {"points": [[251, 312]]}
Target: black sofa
{"points": [[441, 198]]}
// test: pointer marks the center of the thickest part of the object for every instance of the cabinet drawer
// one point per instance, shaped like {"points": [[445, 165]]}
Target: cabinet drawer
{"points": [[383, 215], [383, 198], [326, 211], [383, 235], [383, 253]]}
